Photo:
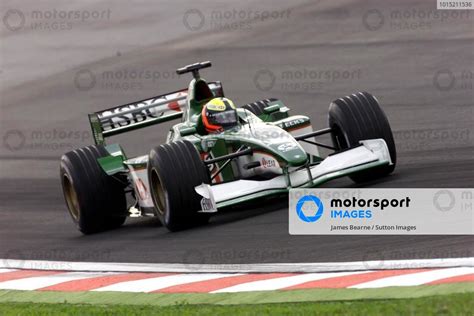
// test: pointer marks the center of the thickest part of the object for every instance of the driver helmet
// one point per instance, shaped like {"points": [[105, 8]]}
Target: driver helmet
{"points": [[218, 115]]}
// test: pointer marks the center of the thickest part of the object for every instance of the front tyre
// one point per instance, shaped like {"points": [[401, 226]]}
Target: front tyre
{"points": [[358, 117], [174, 170], [258, 107], [96, 201]]}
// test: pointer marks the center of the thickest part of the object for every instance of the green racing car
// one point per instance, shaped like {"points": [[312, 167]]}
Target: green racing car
{"points": [[218, 155]]}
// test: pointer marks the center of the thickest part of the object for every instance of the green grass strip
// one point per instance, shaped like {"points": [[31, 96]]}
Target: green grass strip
{"points": [[451, 304]]}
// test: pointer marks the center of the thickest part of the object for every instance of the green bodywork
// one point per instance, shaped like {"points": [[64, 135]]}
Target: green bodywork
{"points": [[274, 121], [266, 134], [113, 163]]}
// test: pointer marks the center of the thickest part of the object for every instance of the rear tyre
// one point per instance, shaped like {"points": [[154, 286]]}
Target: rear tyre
{"points": [[174, 170], [258, 106], [96, 201], [358, 117]]}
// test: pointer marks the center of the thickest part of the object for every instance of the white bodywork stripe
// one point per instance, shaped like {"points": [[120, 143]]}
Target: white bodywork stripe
{"points": [[415, 278]]}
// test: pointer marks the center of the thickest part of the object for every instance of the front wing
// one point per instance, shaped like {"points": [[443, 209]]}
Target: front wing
{"points": [[370, 154]]}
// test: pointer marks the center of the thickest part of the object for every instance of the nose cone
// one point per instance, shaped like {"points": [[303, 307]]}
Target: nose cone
{"points": [[285, 146], [291, 152], [275, 140]]}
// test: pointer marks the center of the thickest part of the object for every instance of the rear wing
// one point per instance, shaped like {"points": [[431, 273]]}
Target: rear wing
{"points": [[136, 115]]}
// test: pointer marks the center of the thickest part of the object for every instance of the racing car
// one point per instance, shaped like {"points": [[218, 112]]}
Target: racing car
{"points": [[197, 172]]}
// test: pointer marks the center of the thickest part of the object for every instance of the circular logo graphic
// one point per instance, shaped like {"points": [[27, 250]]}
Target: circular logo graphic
{"points": [[309, 204], [192, 257], [373, 259], [84, 80], [373, 20], [14, 20], [14, 259], [193, 19], [286, 147], [444, 200], [14, 140], [264, 80], [444, 80]]}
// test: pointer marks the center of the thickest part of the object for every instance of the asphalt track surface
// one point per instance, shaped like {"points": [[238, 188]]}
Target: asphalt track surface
{"points": [[418, 64]]}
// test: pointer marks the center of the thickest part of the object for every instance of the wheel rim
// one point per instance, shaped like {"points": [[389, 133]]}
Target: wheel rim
{"points": [[71, 198], [158, 195]]}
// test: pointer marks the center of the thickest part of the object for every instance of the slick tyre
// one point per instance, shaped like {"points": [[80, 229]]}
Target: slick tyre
{"points": [[96, 201], [174, 170], [358, 117]]}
